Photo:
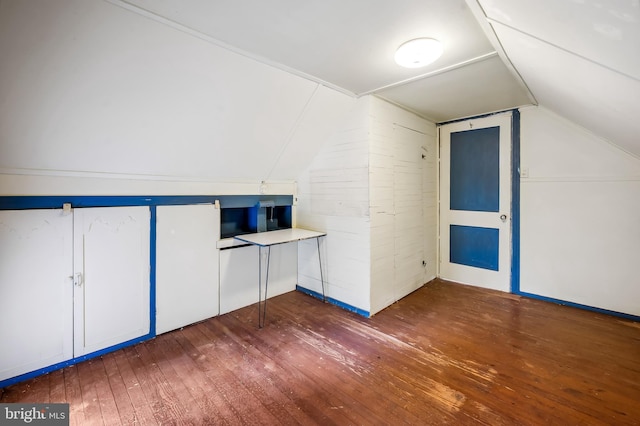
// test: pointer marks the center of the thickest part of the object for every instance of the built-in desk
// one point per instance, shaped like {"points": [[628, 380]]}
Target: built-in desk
{"points": [[270, 238]]}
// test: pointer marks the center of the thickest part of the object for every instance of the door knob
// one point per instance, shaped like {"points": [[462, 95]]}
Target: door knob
{"points": [[503, 217]]}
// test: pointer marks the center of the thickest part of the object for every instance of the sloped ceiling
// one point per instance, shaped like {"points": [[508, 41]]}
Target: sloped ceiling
{"points": [[91, 89], [350, 46], [578, 58]]}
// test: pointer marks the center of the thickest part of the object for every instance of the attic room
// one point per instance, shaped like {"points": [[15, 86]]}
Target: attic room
{"points": [[143, 143]]}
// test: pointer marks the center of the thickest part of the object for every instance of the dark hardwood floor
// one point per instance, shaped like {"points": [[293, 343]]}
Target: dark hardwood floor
{"points": [[446, 354]]}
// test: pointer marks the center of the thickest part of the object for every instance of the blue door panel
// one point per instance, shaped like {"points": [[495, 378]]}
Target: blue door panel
{"points": [[475, 172], [474, 246]]}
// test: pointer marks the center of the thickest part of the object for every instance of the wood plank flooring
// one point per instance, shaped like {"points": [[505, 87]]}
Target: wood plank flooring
{"points": [[446, 354]]}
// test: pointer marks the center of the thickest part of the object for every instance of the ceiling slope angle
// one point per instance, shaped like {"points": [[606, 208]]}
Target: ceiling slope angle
{"points": [[579, 58], [350, 46], [474, 89]]}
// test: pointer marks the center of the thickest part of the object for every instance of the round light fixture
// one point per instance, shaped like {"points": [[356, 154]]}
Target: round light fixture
{"points": [[418, 52]]}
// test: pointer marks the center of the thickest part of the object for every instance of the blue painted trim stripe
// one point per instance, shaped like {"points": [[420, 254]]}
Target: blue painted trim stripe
{"points": [[579, 306], [77, 201], [333, 301], [73, 361], [152, 270], [515, 201]]}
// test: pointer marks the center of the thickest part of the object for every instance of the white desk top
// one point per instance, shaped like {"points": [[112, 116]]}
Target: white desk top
{"points": [[281, 236]]}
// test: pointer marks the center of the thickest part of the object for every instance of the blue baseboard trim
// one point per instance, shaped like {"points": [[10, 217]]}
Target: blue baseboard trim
{"points": [[338, 303], [70, 362], [579, 306]]}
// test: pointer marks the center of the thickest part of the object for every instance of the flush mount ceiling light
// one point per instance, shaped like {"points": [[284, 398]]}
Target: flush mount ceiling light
{"points": [[418, 52]]}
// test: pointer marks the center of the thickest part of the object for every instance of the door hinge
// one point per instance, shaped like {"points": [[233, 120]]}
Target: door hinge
{"points": [[78, 279]]}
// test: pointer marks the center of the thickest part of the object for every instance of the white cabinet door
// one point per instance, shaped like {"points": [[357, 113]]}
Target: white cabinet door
{"points": [[112, 299], [186, 265], [36, 313]]}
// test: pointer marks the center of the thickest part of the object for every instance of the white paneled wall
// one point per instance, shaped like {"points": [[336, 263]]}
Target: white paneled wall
{"points": [[333, 196], [580, 215], [374, 195], [430, 204], [402, 202]]}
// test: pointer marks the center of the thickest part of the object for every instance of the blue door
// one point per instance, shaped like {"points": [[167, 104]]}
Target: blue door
{"points": [[475, 201]]}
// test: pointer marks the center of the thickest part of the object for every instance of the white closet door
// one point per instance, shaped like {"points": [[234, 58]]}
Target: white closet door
{"points": [[408, 221], [36, 290], [186, 265], [111, 251]]}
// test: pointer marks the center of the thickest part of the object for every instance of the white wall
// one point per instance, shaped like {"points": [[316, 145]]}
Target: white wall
{"points": [[402, 203], [580, 215], [93, 91], [349, 191], [333, 196]]}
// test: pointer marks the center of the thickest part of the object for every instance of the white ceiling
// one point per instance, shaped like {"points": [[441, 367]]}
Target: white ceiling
{"points": [[349, 46], [579, 58]]}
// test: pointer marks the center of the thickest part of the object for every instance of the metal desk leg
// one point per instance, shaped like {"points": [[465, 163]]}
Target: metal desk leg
{"points": [[262, 310], [324, 298]]}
